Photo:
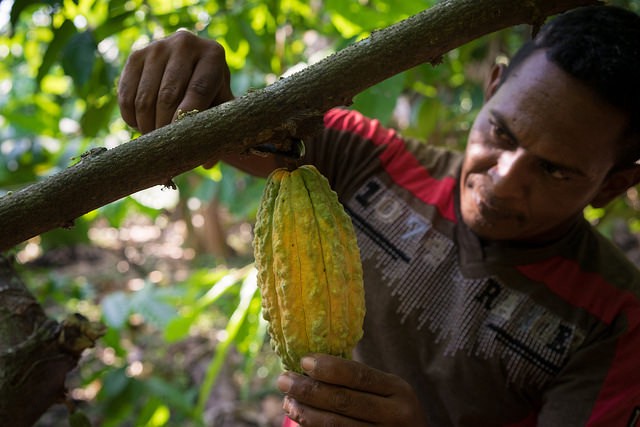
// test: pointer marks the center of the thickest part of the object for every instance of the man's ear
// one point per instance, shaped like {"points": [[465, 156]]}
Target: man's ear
{"points": [[494, 80], [617, 183]]}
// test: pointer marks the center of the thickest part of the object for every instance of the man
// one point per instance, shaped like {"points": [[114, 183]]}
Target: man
{"points": [[490, 300]]}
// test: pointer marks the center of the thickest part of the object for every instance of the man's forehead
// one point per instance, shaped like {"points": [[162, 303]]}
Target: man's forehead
{"points": [[541, 104]]}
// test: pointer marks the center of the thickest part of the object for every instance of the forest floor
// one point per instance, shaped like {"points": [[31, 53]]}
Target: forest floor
{"points": [[122, 260]]}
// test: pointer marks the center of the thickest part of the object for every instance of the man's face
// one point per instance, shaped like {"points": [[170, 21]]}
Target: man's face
{"points": [[539, 151]]}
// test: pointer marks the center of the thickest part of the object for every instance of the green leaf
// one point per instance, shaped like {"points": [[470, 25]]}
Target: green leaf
{"points": [[78, 58], [97, 117], [120, 397], [247, 294], [20, 6], [171, 394], [255, 346], [61, 37], [240, 192], [147, 303], [250, 333], [112, 339], [115, 24], [144, 414], [115, 382], [380, 100], [178, 328], [429, 115], [115, 309], [79, 419], [116, 7], [77, 233], [33, 114]]}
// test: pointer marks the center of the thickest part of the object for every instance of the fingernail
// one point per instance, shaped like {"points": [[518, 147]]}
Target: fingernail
{"points": [[286, 404], [308, 363], [284, 383]]}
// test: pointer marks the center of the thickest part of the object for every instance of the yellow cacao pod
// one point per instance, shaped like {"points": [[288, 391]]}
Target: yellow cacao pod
{"points": [[309, 268]]}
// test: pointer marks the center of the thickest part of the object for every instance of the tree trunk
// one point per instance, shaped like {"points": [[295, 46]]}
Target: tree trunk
{"points": [[291, 107], [35, 352]]}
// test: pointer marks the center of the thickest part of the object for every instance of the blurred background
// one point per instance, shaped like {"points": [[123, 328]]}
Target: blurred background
{"points": [[170, 271]]}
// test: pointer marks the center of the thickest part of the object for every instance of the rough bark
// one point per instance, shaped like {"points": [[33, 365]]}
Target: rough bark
{"points": [[289, 107], [36, 352]]}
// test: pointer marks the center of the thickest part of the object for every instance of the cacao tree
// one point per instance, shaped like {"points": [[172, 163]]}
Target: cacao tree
{"points": [[78, 48]]}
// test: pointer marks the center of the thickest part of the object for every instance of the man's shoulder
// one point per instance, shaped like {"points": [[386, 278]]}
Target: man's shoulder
{"points": [[602, 255], [600, 261], [398, 150]]}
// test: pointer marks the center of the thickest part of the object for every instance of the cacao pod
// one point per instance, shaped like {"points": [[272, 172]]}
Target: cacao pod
{"points": [[309, 268]]}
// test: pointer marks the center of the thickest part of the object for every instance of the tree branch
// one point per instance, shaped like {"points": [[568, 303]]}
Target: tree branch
{"points": [[283, 109]]}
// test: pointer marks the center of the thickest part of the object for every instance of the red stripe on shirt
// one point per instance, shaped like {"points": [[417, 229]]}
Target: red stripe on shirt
{"points": [[400, 164], [288, 422], [621, 388]]}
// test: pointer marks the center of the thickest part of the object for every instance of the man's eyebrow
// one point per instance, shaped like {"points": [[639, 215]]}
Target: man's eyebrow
{"points": [[498, 117], [502, 122]]}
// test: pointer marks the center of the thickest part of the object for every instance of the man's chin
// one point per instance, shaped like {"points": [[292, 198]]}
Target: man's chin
{"points": [[487, 231], [492, 229]]}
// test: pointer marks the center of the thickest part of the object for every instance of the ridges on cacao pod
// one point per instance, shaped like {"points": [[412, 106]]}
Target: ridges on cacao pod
{"points": [[309, 268]]}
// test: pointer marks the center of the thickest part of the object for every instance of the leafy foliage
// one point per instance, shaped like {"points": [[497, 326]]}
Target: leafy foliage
{"points": [[178, 294]]}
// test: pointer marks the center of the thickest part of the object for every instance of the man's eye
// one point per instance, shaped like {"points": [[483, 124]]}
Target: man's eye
{"points": [[500, 134], [553, 171]]}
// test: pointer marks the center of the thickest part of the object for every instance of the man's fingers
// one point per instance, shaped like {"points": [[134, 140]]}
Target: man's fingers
{"points": [[332, 399], [128, 87], [327, 400], [209, 83], [348, 373], [171, 91], [309, 416], [181, 72]]}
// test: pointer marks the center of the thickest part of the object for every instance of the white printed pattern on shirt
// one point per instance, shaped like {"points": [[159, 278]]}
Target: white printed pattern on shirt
{"points": [[481, 317]]}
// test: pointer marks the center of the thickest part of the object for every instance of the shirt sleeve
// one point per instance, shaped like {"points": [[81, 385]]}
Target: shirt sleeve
{"points": [[348, 150]]}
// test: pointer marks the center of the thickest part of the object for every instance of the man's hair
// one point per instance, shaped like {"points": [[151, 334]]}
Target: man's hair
{"points": [[600, 46]]}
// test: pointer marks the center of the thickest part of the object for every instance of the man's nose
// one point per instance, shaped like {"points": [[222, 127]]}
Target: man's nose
{"points": [[510, 175]]}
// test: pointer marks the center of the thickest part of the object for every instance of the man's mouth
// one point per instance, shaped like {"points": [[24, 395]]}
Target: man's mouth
{"points": [[492, 211]]}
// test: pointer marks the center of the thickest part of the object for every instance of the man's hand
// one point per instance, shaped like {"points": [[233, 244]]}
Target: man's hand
{"points": [[341, 392], [180, 73]]}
